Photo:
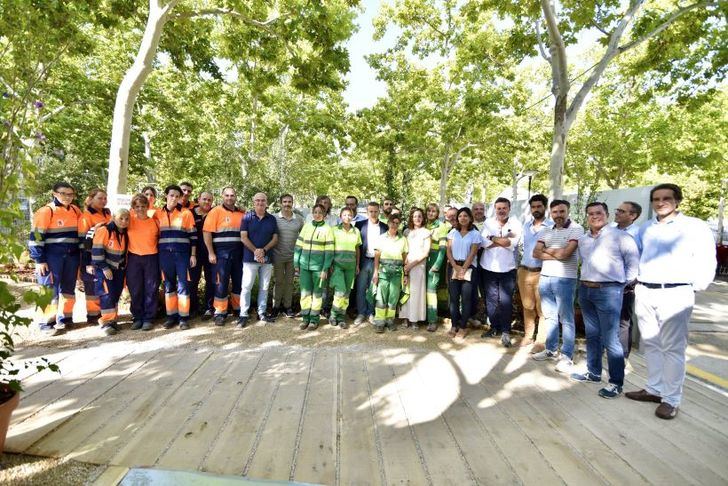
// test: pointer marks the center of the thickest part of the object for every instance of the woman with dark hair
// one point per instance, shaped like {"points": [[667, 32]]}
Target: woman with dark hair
{"points": [[142, 273], [389, 257], [312, 258], [419, 241], [177, 253], [151, 194], [463, 242], [95, 215]]}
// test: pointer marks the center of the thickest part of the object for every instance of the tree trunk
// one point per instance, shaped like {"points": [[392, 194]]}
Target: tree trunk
{"points": [[444, 176], [128, 91], [558, 149]]}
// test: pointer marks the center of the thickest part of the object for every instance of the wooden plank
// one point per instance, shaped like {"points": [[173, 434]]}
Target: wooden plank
{"points": [[402, 458], [111, 476], [425, 396], [624, 433], [360, 461], [272, 455], [63, 408], [316, 455], [47, 388], [156, 434], [237, 438], [77, 431], [150, 394], [200, 431], [490, 408], [482, 455]]}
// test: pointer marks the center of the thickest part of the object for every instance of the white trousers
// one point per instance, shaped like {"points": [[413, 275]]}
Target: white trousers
{"points": [[663, 316], [251, 270]]}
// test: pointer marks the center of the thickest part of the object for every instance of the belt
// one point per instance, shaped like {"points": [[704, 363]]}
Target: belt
{"points": [[531, 269], [598, 285], [662, 286]]}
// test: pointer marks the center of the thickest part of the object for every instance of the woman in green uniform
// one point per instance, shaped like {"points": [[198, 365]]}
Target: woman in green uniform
{"points": [[312, 258], [389, 258], [435, 261], [347, 241]]}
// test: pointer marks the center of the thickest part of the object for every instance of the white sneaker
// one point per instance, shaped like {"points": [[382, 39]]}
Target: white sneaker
{"points": [[546, 355], [371, 319], [359, 320], [564, 365]]}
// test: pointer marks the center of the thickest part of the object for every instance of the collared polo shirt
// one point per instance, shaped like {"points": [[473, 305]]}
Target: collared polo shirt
{"points": [[681, 250], [497, 258], [609, 256], [260, 233], [461, 244], [530, 238], [143, 236], [390, 250], [560, 238], [288, 230]]}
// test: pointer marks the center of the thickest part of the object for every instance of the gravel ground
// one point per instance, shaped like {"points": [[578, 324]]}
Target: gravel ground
{"points": [[21, 470]]}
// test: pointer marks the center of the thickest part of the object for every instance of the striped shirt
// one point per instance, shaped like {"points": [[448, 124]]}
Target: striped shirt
{"points": [[224, 224], [176, 229], [288, 230], [560, 238], [110, 246], [55, 229], [346, 244]]}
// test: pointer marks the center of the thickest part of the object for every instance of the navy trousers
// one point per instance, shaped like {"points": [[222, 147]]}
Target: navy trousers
{"points": [[142, 279]]}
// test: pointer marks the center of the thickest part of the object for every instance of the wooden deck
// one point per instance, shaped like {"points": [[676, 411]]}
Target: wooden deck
{"points": [[355, 414]]}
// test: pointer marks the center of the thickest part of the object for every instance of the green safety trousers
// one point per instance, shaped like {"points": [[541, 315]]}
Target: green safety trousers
{"points": [[311, 295], [342, 281], [388, 290], [433, 280]]}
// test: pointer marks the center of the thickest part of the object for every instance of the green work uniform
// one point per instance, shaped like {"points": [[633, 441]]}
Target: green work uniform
{"points": [[391, 261], [313, 254], [436, 259], [346, 244]]}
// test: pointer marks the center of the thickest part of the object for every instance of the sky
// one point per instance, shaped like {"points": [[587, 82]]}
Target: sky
{"points": [[364, 88]]}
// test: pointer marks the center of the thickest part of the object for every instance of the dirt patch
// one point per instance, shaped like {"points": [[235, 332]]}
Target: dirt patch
{"points": [[21, 469]]}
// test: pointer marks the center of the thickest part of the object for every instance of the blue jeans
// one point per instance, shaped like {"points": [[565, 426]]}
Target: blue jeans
{"points": [[366, 272], [557, 304], [251, 270], [461, 301], [601, 309]]}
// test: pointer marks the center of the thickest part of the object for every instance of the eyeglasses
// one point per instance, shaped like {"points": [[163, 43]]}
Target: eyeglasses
{"points": [[66, 194], [622, 211]]}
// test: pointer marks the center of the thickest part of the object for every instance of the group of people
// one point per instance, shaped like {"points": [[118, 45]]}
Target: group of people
{"points": [[391, 266]]}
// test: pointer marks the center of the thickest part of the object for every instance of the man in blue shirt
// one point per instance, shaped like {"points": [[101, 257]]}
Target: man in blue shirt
{"points": [[609, 260], [259, 233]]}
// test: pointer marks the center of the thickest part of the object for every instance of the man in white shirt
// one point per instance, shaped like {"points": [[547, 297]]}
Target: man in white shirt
{"points": [[678, 259], [500, 236], [370, 231], [609, 259], [557, 284]]}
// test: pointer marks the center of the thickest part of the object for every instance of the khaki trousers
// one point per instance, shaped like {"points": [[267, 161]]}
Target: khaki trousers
{"points": [[531, 302]]}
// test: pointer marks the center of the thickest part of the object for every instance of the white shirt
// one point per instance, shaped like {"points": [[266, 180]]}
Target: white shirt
{"points": [[461, 245], [681, 250], [372, 237], [497, 258]]}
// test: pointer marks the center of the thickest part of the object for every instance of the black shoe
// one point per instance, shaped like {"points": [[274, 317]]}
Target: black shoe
{"points": [[269, 318], [207, 315], [302, 326], [136, 325], [242, 322], [169, 323], [491, 333], [312, 326], [147, 326], [343, 325], [391, 326], [432, 327], [110, 329], [290, 314], [378, 329], [333, 322], [325, 314], [184, 325], [219, 320]]}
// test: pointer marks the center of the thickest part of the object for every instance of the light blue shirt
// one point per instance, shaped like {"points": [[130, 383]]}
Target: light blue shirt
{"points": [[530, 238], [609, 256], [461, 244], [681, 250], [633, 230]]}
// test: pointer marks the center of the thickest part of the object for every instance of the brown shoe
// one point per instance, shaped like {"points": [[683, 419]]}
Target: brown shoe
{"points": [[643, 396], [666, 411]]}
